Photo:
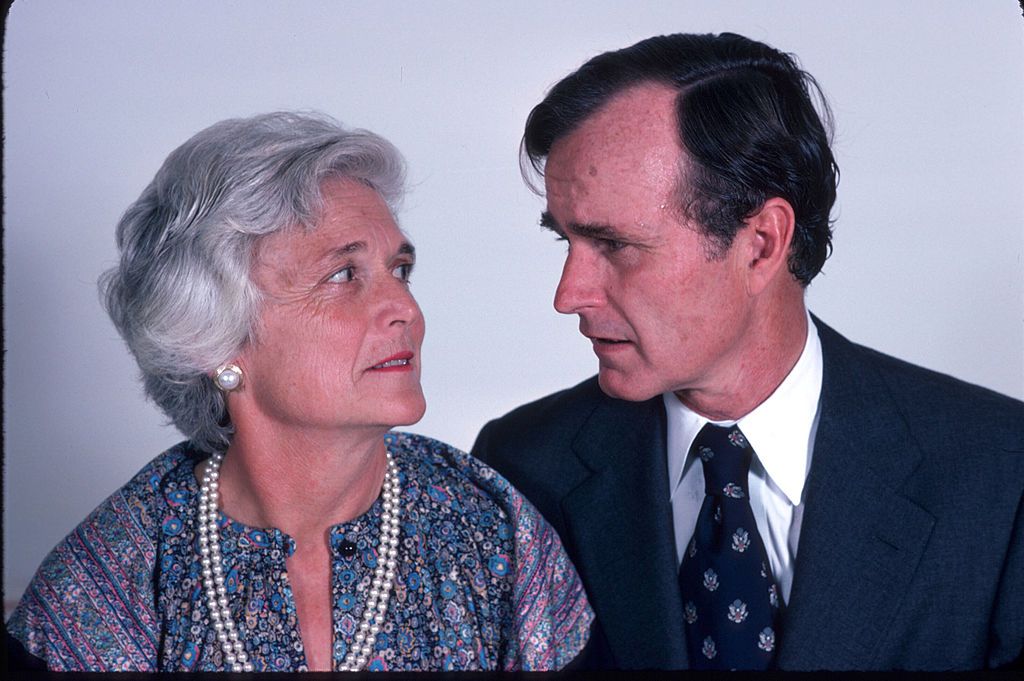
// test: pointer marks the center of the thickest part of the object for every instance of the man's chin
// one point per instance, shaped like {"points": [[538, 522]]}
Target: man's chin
{"points": [[616, 384]]}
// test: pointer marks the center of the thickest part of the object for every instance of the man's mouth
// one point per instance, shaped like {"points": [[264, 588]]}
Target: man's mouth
{"points": [[604, 340]]}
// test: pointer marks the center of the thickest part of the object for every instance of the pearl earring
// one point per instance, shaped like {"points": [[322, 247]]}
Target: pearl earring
{"points": [[228, 377]]}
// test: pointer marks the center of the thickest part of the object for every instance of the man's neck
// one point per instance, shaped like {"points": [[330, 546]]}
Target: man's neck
{"points": [[758, 367]]}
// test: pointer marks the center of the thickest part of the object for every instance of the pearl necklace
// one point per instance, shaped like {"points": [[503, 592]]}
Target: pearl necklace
{"points": [[216, 593]]}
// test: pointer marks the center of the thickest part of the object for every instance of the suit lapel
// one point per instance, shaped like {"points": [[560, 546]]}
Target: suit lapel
{"points": [[620, 520], [861, 539]]}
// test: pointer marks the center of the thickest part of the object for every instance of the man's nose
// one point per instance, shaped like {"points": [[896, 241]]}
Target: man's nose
{"points": [[579, 286]]}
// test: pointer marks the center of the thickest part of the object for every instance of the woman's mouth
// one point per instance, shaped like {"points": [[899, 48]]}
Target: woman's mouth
{"points": [[398, 362], [391, 363]]}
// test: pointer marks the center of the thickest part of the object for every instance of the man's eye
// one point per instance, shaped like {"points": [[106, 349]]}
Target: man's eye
{"points": [[611, 245], [343, 275], [403, 272]]}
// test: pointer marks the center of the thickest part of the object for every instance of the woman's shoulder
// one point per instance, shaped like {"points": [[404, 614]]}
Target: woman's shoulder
{"points": [[132, 515], [462, 485], [96, 585], [138, 507], [550, 615], [438, 465]]}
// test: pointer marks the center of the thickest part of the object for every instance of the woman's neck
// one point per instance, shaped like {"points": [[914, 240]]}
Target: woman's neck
{"points": [[301, 483]]}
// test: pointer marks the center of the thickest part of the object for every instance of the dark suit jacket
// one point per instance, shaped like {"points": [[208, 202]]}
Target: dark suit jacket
{"points": [[911, 551]]}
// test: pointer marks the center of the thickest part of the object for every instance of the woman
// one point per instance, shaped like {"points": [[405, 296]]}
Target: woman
{"points": [[263, 289]]}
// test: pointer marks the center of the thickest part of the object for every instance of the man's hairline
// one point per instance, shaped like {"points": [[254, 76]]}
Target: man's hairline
{"points": [[713, 249]]}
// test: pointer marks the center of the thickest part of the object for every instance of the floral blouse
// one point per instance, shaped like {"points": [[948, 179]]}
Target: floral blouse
{"points": [[483, 581]]}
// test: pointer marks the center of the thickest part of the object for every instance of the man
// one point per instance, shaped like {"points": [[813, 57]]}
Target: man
{"points": [[692, 178]]}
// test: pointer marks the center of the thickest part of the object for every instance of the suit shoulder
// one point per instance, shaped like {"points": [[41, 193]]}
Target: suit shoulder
{"points": [[942, 402], [554, 417], [943, 393], [583, 396]]}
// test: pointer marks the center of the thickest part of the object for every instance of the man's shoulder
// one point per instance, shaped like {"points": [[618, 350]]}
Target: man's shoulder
{"points": [[581, 398], [532, 445], [545, 422], [922, 395]]}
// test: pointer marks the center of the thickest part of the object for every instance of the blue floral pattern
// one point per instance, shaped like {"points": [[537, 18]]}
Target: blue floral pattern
{"points": [[483, 582]]}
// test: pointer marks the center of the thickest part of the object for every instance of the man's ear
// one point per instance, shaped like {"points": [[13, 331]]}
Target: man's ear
{"points": [[767, 237]]}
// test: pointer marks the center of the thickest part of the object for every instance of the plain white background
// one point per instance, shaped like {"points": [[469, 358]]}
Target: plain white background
{"points": [[929, 99]]}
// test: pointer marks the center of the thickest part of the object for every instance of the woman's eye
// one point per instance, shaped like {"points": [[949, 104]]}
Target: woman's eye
{"points": [[403, 272], [343, 275]]}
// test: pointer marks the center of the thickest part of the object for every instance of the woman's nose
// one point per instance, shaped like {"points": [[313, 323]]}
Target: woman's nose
{"points": [[398, 306]]}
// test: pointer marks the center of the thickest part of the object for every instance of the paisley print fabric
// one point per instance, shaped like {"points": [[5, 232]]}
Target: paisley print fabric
{"points": [[482, 583]]}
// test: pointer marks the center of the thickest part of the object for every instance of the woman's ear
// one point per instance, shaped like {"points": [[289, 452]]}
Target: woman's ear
{"points": [[228, 377]]}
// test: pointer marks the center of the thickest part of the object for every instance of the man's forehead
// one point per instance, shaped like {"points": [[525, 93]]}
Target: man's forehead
{"points": [[638, 116], [634, 133]]}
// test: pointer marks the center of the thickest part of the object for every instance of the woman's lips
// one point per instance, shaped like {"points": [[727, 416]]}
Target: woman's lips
{"points": [[398, 362]]}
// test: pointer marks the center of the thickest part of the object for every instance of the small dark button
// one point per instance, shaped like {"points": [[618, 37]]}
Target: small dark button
{"points": [[347, 549]]}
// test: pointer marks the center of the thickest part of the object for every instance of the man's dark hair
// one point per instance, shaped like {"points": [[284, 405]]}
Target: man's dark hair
{"points": [[746, 120]]}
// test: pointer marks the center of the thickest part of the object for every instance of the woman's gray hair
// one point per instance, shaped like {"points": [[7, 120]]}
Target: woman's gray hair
{"points": [[181, 295]]}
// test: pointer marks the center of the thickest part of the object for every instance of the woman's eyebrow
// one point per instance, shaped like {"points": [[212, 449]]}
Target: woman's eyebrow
{"points": [[347, 249]]}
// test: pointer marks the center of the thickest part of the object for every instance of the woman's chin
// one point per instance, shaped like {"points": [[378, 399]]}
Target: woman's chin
{"points": [[407, 414]]}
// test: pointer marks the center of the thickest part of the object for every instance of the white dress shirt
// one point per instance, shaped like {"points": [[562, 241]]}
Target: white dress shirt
{"points": [[781, 430]]}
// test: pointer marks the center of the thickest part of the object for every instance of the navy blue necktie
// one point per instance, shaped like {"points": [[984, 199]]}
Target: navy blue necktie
{"points": [[730, 600]]}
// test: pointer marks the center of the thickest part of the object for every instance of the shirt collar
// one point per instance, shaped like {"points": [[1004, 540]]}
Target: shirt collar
{"points": [[779, 429]]}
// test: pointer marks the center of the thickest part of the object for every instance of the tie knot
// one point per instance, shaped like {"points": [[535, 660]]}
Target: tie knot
{"points": [[725, 455]]}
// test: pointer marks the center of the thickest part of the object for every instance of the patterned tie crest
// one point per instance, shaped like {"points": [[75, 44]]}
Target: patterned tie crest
{"points": [[730, 600]]}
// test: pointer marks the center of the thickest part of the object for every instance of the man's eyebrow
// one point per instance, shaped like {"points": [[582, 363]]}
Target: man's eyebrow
{"points": [[585, 230], [595, 231], [547, 221], [407, 249]]}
